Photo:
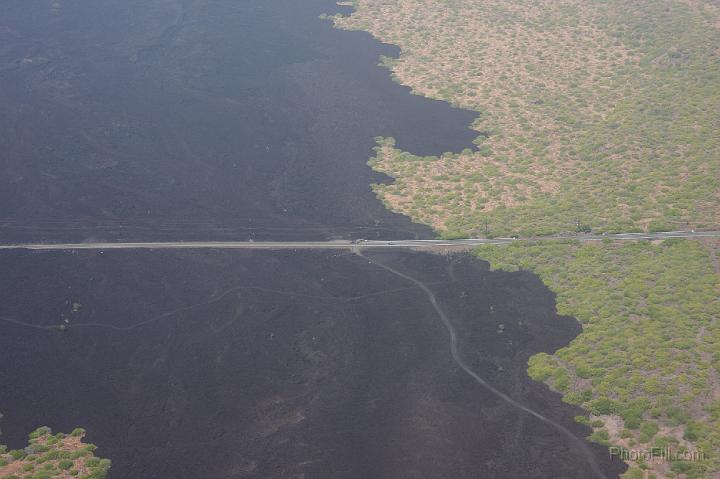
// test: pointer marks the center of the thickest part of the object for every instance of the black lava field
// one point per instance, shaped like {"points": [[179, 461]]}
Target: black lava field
{"points": [[127, 120]]}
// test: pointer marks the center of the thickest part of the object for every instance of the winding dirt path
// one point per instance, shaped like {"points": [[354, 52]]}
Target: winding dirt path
{"points": [[579, 443]]}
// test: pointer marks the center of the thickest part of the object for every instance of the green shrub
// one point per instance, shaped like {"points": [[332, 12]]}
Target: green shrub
{"points": [[582, 420], [600, 436], [694, 431], [677, 415], [17, 454], [602, 406], [41, 431], [648, 431]]}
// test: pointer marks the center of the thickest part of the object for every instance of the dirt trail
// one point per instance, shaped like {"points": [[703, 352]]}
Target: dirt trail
{"points": [[579, 443]]}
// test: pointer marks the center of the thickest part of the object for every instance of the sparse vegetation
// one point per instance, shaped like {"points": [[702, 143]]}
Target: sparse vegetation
{"points": [[49, 456], [596, 113], [646, 366]]}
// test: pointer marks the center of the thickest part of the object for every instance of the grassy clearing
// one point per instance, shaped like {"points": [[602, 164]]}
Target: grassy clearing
{"points": [[646, 364], [602, 113]]}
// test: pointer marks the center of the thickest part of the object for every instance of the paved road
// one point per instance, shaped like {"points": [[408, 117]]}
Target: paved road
{"points": [[346, 244]]}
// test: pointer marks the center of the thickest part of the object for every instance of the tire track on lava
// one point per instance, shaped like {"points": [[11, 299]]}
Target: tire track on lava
{"points": [[583, 448]]}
